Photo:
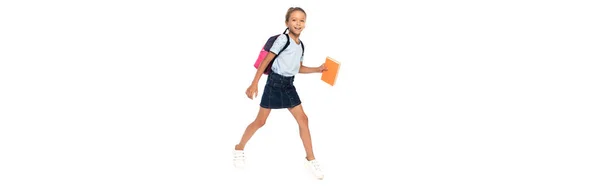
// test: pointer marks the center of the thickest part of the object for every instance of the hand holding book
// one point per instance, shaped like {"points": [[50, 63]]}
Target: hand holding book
{"points": [[332, 67]]}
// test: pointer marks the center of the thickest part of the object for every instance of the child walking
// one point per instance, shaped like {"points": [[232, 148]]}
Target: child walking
{"points": [[279, 91]]}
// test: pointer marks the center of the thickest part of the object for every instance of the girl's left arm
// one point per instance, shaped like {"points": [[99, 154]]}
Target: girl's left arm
{"points": [[308, 70]]}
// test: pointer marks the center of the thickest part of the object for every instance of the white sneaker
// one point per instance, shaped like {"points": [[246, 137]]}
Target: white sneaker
{"points": [[239, 159], [315, 168]]}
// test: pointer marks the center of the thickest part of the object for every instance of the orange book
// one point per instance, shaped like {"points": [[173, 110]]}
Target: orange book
{"points": [[330, 76]]}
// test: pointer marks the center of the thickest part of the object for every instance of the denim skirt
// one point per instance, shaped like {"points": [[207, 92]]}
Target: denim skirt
{"points": [[279, 92]]}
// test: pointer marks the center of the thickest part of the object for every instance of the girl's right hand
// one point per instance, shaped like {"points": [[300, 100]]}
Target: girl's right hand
{"points": [[252, 91]]}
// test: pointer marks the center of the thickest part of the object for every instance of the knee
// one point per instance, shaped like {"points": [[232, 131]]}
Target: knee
{"points": [[303, 121], [259, 123]]}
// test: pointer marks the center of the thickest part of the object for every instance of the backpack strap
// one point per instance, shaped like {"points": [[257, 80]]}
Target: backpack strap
{"points": [[302, 44], [287, 43]]}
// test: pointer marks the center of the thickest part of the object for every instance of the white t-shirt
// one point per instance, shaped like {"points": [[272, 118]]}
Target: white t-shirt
{"points": [[288, 62]]}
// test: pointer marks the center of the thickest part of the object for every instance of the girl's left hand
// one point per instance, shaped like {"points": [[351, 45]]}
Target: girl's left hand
{"points": [[322, 68]]}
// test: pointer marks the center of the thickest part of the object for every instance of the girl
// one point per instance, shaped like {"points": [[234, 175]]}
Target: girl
{"points": [[279, 91]]}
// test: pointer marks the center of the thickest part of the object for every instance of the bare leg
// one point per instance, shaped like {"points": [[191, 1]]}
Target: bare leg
{"points": [[302, 120], [260, 120]]}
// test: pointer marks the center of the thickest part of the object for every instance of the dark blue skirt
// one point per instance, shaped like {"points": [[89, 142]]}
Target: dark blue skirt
{"points": [[279, 92]]}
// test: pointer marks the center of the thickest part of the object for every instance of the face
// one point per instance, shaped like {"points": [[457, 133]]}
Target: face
{"points": [[296, 22]]}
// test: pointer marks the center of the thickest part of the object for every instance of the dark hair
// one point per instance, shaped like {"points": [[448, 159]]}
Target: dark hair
{"points": [[292, 9]]}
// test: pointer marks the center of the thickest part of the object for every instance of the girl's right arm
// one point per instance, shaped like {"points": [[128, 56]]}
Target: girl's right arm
{"points": [[262, 67], [252, 91]]}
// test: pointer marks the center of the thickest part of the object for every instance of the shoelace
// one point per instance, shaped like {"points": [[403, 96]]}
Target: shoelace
{"points": [[239, 155], [316, 165]]}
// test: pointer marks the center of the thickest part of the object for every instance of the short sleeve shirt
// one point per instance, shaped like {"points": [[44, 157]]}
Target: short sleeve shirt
{"points": [[288, 61]]}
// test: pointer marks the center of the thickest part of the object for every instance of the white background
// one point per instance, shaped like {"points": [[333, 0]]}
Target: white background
{"points": [[429, 93]]}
